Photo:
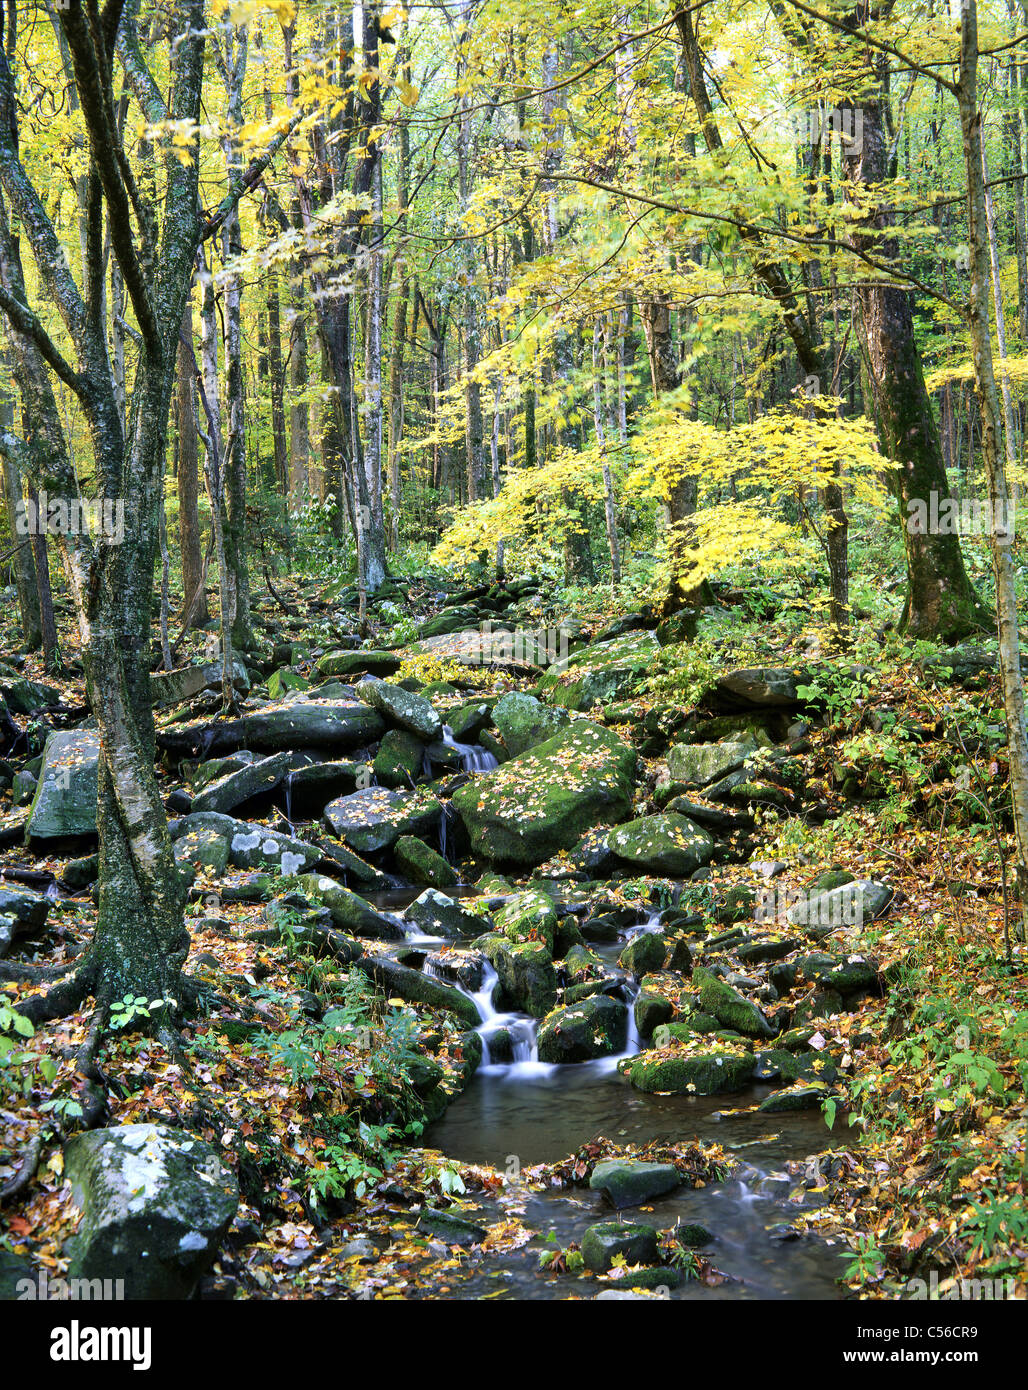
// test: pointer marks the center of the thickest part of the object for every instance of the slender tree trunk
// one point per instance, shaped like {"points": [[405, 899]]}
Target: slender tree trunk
{"points": [[599, 404], [22, 559], [994, 454], [236, 43], [941, 601], [44, 593], [190, 540]]}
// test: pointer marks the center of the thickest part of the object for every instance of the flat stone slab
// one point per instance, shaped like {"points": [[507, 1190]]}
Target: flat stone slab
{"points": [[630, 1183], [299, 723], [65, 799]]}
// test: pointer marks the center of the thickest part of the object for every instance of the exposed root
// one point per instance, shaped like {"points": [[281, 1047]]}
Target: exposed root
{"points": [[63, 999], [23, 972], [29, 1163], [93, 1085]]}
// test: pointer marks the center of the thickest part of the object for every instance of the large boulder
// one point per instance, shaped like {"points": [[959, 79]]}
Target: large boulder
{"points": [[704, 1074], [662, 844], [21, 914], [597, 1027], [529, 916], [352, 663], [226, 793], [309, 788], [374, 819], [300, 722], [731, 1009], [419, 863], [849, 905], [419, 989], [169, 687], [528, 980], [434, 914], [24, 696], [350, 913], [761, 685], [156, 1203], [523, 721], [602, 672], [631, 1182], [400, 759], [403, 708], [250, 846], [548, 798], [699, 764], [65, 799]]}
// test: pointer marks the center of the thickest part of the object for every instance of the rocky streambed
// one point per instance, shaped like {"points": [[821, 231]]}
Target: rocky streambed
{"points": [[568, 890]]}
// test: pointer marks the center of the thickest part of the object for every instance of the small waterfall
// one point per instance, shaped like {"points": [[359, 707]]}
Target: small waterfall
{"points": [[448, 814], [649, 925], [472, 757], [522, 1030], [289, 799]]}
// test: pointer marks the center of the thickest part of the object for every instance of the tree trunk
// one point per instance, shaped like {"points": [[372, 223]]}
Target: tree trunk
{"points": [[22, 561], [190, 543], [995, 466], [236, 46], [941, 601]]}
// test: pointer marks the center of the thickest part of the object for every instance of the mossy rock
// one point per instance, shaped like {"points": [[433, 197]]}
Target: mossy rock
{"points": [[581, 965], [544, 801], [708, 1074], [631, 1182], [644, 953], [793, 1099], [596, 1027], [651, 1011], [421, 864], [662, 844], [602, 1242], [600, 673], [524, 722], [400, 758], [529, 916], [528, 980], [730, 1007]]}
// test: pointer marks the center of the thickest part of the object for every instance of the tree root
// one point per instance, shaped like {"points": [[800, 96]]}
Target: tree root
{"points": [[29, 1163], [93, 1085], [63, 999], [24, 972]]}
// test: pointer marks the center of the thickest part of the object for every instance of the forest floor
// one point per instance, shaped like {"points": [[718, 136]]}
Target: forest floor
{"points": [[924, 1167]]}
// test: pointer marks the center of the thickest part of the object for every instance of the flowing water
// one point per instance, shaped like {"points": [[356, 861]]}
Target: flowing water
{"points": [[472, 757], [522, 1112]]}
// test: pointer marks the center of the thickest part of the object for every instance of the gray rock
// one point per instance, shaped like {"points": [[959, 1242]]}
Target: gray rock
{"points": [[230, 791], [630, 1182], [662, 844], [300, 722], [65, 799], [350, 912], [699, 764], [523, 721], [171, 687], [596, 1027], [603, 1241], [156, 1204], [849, 905], [434, 914], [402, 707], [762, 685], [374, 819]]}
